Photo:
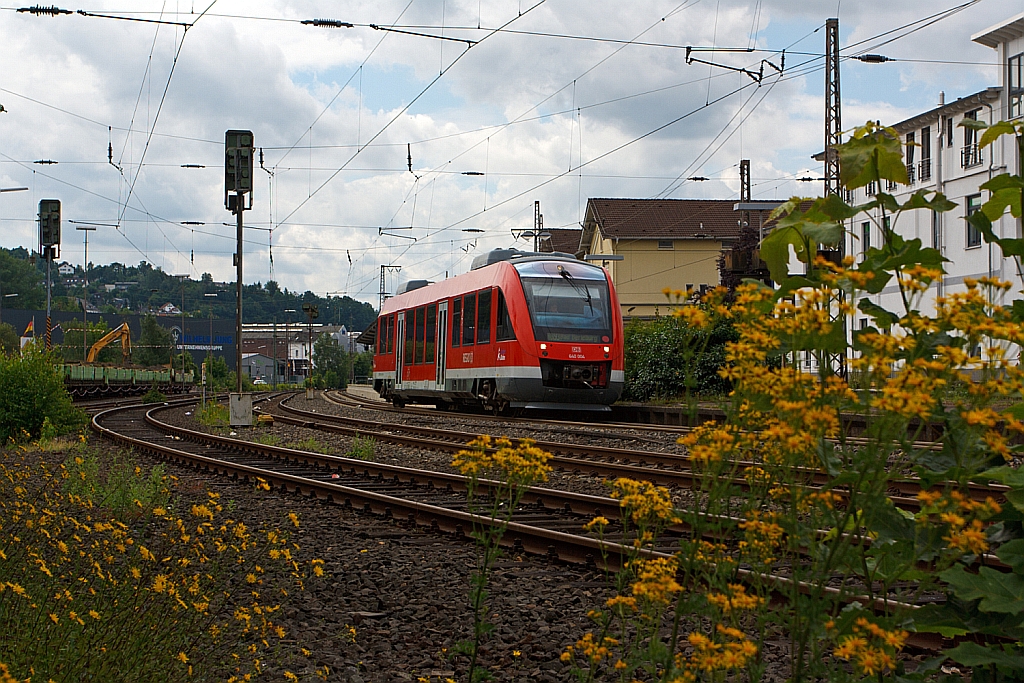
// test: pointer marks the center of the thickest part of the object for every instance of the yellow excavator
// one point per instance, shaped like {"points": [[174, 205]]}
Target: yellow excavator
{"points": [[122, 334]]}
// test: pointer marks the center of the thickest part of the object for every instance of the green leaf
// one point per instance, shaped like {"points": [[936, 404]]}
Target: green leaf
{"points": [[883, 317], [994, 131], [1006, 194], [1011, 246], [998, 592], [835, 208], [1012, 553], [920, 200], [973, 654], [775, 251], [873, 153], [824, 233], [973, 124]]}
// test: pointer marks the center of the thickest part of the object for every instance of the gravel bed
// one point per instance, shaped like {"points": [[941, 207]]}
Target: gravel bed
{"points": [[406, 593], [615, 437]]}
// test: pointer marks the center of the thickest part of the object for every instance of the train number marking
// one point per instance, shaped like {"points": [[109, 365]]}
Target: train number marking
{"points": [[467, 357], [576, 353]]}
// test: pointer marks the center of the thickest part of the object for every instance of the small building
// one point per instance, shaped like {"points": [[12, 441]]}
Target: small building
{"points": [[564, 240], [663, 244], [66, 269], [256, 366]]}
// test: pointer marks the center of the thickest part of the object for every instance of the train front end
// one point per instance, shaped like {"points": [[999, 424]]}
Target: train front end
{"points": [[576, 328]]}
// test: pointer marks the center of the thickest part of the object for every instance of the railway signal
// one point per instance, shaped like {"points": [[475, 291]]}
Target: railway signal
{"points": [[49, 247], [238, 160]]}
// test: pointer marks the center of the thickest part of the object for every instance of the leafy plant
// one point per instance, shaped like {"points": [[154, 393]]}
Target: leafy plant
{"points": [[787, 504], [310, 444], [31, 393], [153, 396], [362, 448], [214, 415], [510, 471]]}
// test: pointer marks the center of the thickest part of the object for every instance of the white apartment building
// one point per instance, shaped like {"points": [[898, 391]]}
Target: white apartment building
{"points": [[944, 157]]}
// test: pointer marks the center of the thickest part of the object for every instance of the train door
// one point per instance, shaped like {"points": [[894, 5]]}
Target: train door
{"points": [[399, 349], [442, 345]]}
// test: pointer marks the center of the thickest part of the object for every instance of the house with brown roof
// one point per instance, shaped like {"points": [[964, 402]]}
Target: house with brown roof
{"points": [[663, 243], [564, 240]]}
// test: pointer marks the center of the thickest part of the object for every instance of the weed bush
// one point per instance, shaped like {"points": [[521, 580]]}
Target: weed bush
{"points": [[153, 396], [31, 393], [310, 444], [788, 508], [103, 578], [362, 448], [214, 415], [666, 357]]}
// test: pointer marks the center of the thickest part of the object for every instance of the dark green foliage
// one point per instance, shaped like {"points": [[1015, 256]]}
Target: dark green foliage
{"points": [[154, 344], [31, 392], [664, 354], [72, 349], [20, 277], [153, 396], [9, 342], [331, 363]]}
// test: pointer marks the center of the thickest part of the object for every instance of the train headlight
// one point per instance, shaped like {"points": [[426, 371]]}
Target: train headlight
{"points": [[543, 347], [607, 349]]}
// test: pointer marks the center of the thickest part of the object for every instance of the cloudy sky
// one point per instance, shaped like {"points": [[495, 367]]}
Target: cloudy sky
{"points": [[552, 101]]}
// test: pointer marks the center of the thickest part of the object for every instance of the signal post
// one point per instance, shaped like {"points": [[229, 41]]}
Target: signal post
{"points": [[49, 248], [238, 166]]}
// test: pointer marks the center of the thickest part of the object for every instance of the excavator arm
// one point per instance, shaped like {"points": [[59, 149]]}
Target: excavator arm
{"points": [[122, 334]]}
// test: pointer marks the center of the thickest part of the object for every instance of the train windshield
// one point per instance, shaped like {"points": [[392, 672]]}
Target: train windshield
{"points": [[568, 302]]}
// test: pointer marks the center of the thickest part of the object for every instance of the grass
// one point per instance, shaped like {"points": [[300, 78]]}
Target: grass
{"points": [[362, 448], [214, 415], [310, 444], [153, 396]]}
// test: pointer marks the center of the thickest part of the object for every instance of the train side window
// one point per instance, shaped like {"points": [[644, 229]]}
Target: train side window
{"points": [[483, 317], [382, 340], [469, 320], [456, 321], [409, 330], [431, 333], [504, 331], [420, 325], [391, 334]]}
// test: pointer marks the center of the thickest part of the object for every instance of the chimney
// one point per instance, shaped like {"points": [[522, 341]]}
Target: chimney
{"points": [[942, 97]]}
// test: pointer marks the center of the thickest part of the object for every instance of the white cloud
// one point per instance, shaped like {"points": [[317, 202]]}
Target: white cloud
{"points": [[277, 78]]}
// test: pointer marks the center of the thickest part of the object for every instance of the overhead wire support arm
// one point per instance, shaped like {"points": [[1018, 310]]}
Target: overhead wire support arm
{"points": [[467, 41], [756, 76], [143, 21]]}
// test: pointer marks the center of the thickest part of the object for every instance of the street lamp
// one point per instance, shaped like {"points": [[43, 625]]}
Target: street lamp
{"points": [[5, 296], [86, 229], [287, 334], [13, 189]]}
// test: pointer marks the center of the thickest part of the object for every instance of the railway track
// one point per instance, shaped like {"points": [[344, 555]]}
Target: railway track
{"points": [[660, 468], [549, 522]]}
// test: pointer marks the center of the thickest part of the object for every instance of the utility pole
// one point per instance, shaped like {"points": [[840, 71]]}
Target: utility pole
{"points": [[238, 163], [383, 285], [833, 137], [86, 229], [833, 109], [538, 225]]}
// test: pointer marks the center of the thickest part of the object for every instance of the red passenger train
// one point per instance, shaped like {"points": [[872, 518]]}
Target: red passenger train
{"points": [[519, 330]]}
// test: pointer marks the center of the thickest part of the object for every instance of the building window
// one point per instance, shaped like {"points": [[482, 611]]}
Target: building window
{"points": [[871, 189], [970, 155], [664, 244], [924, 167], [865, 239], [911, 148], [936, 230], [973, 203], [949, 131], [1016, 80]]}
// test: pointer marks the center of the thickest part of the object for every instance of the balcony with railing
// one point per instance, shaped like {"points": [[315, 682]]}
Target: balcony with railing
{"points": [[970, 156], [910, 173], [924, 170]]}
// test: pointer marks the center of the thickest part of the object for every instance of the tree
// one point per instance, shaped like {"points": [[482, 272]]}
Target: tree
{"points": [[18, 276], [154, 345], [72, 347], [9, 342], [330, 362]]}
